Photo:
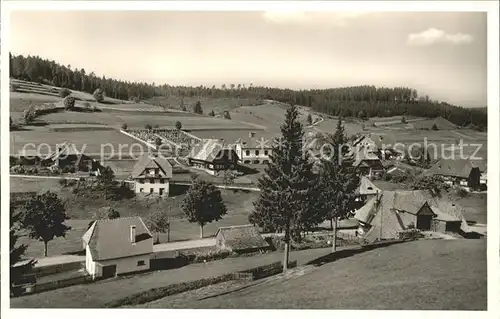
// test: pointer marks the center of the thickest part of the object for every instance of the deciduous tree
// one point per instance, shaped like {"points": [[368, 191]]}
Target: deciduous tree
{"points": [[43, 216], [203, 203], [98, 95], [158, 222]]}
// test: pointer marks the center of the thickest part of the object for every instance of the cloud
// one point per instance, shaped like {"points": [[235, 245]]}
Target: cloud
{"points": [[434, 36], [291, 16]]}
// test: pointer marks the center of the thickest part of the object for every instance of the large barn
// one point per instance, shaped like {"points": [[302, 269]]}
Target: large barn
{"points": [[391, 212], [213, 156]]}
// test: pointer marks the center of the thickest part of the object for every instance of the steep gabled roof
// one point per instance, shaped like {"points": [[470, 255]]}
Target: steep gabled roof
{"points": [[110, 238], [363, 156], [448, 167], [242, 237], [366, 187], [209, 149], [387, 214], [149, 161]]}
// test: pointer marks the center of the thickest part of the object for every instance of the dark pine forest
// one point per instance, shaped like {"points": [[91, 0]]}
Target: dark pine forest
{"points": [[359, 101]]}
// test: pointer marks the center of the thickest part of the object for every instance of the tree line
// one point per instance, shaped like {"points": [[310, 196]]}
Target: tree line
{"points": [[356, 101]]}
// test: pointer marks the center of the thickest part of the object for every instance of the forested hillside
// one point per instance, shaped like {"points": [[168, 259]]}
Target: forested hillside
{"points": [[360, 101]]}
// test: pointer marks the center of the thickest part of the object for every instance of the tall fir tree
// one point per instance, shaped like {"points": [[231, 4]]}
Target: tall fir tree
{"points": [[337, 183], [287, 197]]}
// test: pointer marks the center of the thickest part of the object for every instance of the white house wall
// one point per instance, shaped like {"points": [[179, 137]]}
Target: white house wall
{"points": [[147, 186], [90, 265], [128, 264]]}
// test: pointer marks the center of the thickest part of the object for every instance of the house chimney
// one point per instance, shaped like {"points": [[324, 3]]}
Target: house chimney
{"points": [[132, 234]]}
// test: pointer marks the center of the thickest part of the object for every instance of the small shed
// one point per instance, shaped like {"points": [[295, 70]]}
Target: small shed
{"points": [[240, 238], [444, 222]]}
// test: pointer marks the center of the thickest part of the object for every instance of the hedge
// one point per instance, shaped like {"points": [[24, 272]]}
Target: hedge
{"points": [[162, 292]]}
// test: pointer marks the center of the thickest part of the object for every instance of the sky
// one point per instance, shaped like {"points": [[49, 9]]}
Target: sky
{"points": [[442, 54]]}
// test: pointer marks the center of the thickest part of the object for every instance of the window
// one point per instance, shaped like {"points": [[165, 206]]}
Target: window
{"points": [[247, 153], [256, 152], [141, 263], [141, 181], [162, 180], [266, 153], [152, 180], [151, 190]]}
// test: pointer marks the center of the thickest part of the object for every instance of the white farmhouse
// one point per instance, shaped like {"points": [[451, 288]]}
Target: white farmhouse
{"points": [[152, 175], [254, 150], [117, 246]]}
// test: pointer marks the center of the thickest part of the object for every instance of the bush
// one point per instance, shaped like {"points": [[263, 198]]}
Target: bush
{"points": [[462, 193], [410, 234], [29, 115], [199, 257], [98, 95], [403, 120], [433, 184], [148, 127], [434, 127], [124, 126], [69, 102], [94, 108], [178, 125], [64, 92], [86, 105], [226, 115]]}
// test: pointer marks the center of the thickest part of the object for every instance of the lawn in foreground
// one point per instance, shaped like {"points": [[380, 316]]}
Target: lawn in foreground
{"points": [[96, 295], [431, 274]]}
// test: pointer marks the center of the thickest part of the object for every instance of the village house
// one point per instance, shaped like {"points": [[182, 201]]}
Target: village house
{"points": [[152, 174], [240, 239], [367, 164], [68, 157], [390, 212], [117, 246], [254, 150], [213, 156], [457, 172], [366, 189], [365, 142]]}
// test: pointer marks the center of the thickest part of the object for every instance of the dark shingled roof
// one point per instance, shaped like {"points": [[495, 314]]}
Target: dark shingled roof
{"points": [[395, 207], [452, 167], [110, 238], [241, 237], [149, 161]]}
